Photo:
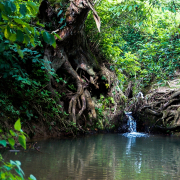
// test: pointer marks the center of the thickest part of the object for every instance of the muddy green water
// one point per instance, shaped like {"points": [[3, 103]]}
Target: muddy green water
{"points": [[103, 157]]}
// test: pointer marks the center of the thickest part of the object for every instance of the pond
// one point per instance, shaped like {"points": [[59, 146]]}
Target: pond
{"points": [[102, 157]]}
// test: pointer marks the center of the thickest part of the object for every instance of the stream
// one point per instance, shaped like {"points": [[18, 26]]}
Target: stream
{"points": [[127, 156], [103, 156]]}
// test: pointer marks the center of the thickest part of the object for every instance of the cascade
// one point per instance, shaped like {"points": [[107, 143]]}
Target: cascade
{"points": [[131, 123]]}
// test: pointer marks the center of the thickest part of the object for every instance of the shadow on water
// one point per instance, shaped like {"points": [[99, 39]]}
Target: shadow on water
{"points": [[101, 157]]}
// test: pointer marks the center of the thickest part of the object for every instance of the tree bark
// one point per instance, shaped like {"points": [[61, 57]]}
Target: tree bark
{"points": [[71, 53]]}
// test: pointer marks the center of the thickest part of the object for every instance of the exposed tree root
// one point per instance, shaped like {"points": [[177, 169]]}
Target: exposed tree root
{"points": [[73, 60], [80, 90], [164, 105], [90, 103], [83, 100], [71, 50], [152, 112]]}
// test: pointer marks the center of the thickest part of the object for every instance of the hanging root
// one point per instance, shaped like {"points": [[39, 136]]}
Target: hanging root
{"points": [[90, 103], [83, 99], [84, 95], [80, 89]]}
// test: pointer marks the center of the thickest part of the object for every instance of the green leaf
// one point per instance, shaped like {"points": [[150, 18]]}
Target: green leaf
{"points": [[130, 8], [23, 9], [19, 172], [140, 23], [32, 177], [22, 141], [17, 125], [20, 52], [54, 44], [53, 41], [174, 10], [20, 36], [59, 13], [12, 133], [12, 37], [48, 38], [42, 25], [13, 6], [26, 39], [33, 7], [18, 163], [18, 21], [32, 42], [61, 20], [27, 31], [63, 26], [58, 36], [11, 141], [5, 17], [7, 168], [10, 7], [124, 8], [7, 32], [3, 142]]}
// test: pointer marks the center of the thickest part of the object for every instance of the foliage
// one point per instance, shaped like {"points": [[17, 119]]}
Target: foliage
{"points": [[18, 134], [6, 168], [16, 25], [139, 38], [22, 69], [15, 16], [104, 108]]}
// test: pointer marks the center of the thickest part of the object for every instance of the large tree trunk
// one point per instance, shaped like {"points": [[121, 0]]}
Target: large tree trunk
{"points": [[71, 53]]}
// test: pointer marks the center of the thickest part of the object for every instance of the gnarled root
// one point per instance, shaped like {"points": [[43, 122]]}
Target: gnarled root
{"points": [[73, 39], [90, 103], [165, 105], [80, 89], [83, 99], [84, 94]]}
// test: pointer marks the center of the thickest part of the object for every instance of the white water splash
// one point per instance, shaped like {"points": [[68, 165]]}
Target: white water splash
{"points": [[135, 134], [131, 124], [132, 127]]}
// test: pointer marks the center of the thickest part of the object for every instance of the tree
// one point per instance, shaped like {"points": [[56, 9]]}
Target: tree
{"points": [[72, 53], [71, 50], [48, 50]]}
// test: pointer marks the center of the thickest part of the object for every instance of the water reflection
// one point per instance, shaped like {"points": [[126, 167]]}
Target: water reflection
{"points": [[130, 142], [102, 157]]}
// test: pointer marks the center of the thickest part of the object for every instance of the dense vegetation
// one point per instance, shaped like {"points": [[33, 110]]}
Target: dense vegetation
{"points": [[57, 84], [138, 42], [140, 39]]}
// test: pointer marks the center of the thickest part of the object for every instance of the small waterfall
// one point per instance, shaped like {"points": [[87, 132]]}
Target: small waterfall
{"points": [[131, 123]]}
